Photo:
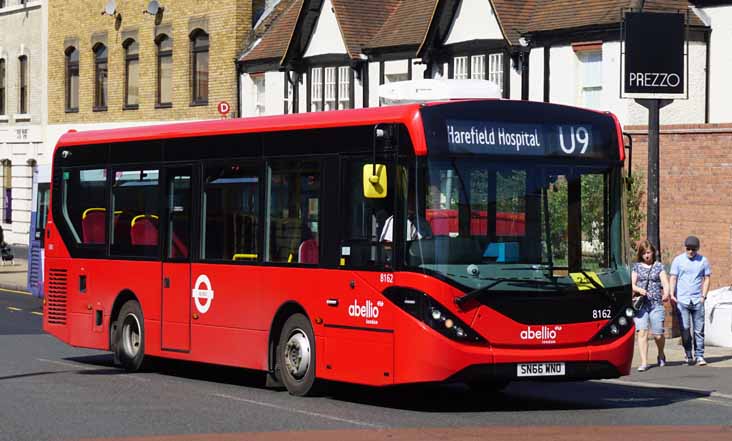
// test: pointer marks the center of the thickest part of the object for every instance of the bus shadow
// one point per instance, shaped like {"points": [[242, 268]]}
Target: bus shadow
{"points": [[520, 396], [175, 368], [438, 398]]}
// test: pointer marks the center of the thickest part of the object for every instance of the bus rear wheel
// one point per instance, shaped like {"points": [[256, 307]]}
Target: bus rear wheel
{"points": [[296, 356], [130, 336]]}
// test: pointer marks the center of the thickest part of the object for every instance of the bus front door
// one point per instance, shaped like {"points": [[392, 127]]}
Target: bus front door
{"points": [[176, 313]]}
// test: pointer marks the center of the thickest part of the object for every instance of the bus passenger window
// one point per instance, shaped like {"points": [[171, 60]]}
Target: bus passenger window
{"points": [[293, 212], [231, 204], [84, 205], [135, 200]]}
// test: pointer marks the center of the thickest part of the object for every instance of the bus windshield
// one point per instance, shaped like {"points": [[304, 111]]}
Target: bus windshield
{"points": [[517, 224]]}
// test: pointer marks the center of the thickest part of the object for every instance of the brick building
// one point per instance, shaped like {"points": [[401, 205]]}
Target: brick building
{"points": [[132, 67]]}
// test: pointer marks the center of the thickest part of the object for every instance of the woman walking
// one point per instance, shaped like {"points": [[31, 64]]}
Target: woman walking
{"points": [[650, 281]]}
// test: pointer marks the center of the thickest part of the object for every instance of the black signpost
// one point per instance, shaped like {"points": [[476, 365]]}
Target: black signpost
{"points": [[654, 74]]}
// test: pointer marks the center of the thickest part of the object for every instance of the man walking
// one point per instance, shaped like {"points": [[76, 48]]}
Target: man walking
{"points": [[690, 273]]}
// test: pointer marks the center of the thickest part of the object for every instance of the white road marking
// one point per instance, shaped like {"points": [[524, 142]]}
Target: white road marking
{"points": [[666, 386], [87, 368], [13, 308], [304, 412], [37, 313], [63, 363]]}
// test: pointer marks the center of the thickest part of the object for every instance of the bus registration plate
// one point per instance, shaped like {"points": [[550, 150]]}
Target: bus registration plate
{"points": [[539, 369]]}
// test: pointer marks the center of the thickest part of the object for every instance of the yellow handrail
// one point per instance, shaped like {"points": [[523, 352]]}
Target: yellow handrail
{"points": [[243, 256], [83, 215]]}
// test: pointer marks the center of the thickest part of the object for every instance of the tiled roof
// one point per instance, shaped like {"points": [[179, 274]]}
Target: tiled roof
{"points": [[552, 15], [513, 16], [377, 24], [407, 26], [271, 38], [360, 20]]}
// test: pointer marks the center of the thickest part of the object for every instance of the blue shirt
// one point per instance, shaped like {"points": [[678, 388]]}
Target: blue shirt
{"points": [[690, 275]]}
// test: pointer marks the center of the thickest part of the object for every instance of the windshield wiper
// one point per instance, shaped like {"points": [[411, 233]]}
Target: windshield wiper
{"points": [[460, 301]]}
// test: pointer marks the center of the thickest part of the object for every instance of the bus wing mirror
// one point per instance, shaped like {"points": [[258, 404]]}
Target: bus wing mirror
{"points": [[374, 181]]}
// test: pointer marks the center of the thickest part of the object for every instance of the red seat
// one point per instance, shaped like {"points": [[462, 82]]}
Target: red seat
{"points": [[144, 230], [179, 248], [308, 252], [93, 226]]}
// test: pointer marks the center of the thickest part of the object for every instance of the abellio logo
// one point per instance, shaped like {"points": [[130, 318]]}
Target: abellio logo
{"points": [[369, 311], [544, 334]]}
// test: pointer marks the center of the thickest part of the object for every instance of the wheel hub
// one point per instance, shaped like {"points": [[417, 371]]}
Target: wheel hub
{"points": [[131, 335], [297, 354]]}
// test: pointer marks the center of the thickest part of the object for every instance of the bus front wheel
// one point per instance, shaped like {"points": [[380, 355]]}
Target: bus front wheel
{"points": [[296, 356], [130, 336]]}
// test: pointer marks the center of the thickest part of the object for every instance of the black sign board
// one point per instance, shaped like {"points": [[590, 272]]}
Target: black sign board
{"points": [[654, 55]]}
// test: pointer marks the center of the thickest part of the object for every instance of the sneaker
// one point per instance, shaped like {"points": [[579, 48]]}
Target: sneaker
{"points": [[689, 359], [662, 361], [643, 368], [701, 362]]}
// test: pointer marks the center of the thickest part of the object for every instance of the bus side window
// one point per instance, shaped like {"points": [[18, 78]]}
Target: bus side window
{"points": [[231, 212], [291, 232], [363, 219], [135, 201], [83, 197]]}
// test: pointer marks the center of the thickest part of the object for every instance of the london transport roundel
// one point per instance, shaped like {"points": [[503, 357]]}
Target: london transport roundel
{"points": [[203, 294]]}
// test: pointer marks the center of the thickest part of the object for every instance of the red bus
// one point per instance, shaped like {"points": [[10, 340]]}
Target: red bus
{"points": [[471, 241]]}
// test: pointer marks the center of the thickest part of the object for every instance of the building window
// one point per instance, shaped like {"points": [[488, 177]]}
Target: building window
{"points": [[331, 88], [495, 70], [477, 67], [23, 84], [7, 191], [100, 77], [259, 94], [199, 67], [460, 68], [72, 79], [2, 86], [591, 77], [132, 74], [165, 71]]}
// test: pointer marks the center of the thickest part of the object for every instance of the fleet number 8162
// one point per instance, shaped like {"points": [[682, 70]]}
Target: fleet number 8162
{"points": [[602, 314]]}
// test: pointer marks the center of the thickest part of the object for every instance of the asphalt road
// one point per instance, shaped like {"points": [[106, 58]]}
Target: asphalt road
{"points": [[50, 391]]}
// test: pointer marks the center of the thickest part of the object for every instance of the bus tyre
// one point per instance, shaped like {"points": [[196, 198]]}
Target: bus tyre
{"points": [[296, 356], [130, 336]]}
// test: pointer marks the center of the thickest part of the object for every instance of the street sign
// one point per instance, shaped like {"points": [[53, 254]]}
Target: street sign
{"points": [[655, 56], [224, 108]]}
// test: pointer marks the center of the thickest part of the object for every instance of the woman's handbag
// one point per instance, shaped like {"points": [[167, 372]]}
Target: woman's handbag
{"points": [[639, 300]]}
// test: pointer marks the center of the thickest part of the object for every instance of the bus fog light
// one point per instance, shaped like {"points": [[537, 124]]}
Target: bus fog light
{"points": [[629, 312], [436, 314], [459, 332], [614, 329], [622, 321], [449, 323]]}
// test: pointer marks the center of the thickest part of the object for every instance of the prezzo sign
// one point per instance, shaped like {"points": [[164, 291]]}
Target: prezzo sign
{"points": [[496, 138], [654, 58]]}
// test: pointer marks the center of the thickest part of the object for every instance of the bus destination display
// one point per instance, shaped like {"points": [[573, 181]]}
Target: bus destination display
{"points": [[497, 138]]}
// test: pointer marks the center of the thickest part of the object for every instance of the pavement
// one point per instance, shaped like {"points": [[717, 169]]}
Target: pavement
{"points": [[14, 277]]}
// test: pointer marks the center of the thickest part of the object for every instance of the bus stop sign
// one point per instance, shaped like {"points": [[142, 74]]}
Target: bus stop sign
{"points": [[654, 56]]}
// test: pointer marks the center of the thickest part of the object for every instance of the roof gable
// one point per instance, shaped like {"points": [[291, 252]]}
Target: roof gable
{"points": [[474, 20], [326, 37]]}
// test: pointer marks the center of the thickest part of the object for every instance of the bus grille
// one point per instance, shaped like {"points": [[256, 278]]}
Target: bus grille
{"points": [[56, 296]]}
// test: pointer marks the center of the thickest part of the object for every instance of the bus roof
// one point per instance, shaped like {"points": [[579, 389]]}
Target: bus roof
{"points": [[406, 114]]}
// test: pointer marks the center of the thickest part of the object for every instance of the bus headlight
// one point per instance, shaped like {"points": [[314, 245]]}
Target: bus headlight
{"points": [[618, 326], [427, 310]]}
